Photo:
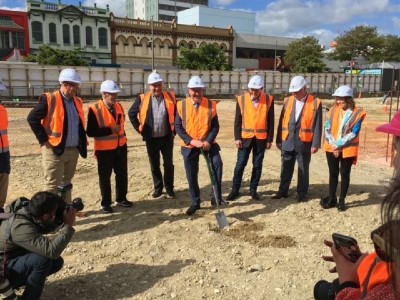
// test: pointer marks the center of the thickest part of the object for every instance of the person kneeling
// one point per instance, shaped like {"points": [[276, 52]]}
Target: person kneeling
{"points": [[28, 256]]}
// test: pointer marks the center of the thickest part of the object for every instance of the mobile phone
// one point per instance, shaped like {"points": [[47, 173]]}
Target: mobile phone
{"points": [[347, 246]]}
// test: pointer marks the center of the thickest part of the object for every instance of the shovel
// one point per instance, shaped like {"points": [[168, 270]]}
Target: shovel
{"points": [[221, 219]]}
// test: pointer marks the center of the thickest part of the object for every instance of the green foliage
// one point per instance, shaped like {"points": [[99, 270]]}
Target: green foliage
{"points": [[305, 55], [390, 50], [207, 57], [361, 41], [50, 56]]}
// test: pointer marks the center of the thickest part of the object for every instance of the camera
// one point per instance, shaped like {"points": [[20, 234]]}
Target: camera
{"points": [[324, 290], [63, 206]]}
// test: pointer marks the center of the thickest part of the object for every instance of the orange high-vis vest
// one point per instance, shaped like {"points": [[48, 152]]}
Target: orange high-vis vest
{"points": [[197, 123], [4, 142], [170, 102], [106, 119], [372, 272], [255, 120], [351, 149], [54, 120], [310, 109]]}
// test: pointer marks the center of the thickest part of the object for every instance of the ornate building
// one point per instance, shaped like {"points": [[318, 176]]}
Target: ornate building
{"points": [[68, 27], [131, 41]]}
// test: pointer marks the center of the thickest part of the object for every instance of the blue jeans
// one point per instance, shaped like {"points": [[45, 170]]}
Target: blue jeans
{"points": [[32, 270], [242, 159]]}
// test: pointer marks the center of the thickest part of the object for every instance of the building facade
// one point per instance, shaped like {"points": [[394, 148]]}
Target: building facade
{"points": [[159, 10], [132, 39], [67, 27], [14, 35], [241, 21]]}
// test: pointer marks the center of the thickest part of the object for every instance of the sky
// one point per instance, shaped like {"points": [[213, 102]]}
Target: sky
{"points": [[323, 19]]}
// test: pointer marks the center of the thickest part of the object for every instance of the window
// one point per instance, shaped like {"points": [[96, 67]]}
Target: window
{"points": [[103, 37], [4, 39], [77, 35], [66, 36], [89, 36], [18, 40], [52, 33], [37, 32]]}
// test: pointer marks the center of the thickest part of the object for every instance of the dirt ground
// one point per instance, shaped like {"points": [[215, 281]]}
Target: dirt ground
{"points": [[272, 249]]}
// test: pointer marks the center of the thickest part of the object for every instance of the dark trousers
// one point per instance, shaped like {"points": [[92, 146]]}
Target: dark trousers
{"points": [[289, 159], [339, 165], [31, 270], [107, 161], [165, 146], [191, 162], [242, 159]]}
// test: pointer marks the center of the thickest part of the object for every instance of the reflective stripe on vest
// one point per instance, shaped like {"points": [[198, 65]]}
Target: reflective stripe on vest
{"points": [[254, 120], [307, 117], [4, 142], [105, 119], [54, 120], [170, 102], [351, 149], [372, 272], [197, 123]]}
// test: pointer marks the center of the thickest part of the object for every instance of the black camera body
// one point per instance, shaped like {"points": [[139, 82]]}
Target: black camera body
{"points": [[63, 206]]}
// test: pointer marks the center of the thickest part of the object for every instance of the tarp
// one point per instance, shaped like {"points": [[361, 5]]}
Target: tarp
{"points": [[385, 65]]}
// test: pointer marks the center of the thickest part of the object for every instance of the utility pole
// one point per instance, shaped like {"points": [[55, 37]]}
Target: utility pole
{"points": [[152, 44]]}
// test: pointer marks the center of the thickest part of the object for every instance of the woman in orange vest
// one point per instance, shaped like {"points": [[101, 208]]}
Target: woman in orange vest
{"points": [[106, 119], [5, 165], [375, 276], [342, 128]]}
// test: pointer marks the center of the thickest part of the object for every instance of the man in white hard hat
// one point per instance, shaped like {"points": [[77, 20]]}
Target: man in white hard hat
{"points": [[106, 123], [298, 136], [5, 164], [254, 132], [58, 121], [153, 116], [197, 125]]}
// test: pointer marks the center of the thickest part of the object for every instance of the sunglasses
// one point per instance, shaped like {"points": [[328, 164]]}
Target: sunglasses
{"points": [[383, 249]]}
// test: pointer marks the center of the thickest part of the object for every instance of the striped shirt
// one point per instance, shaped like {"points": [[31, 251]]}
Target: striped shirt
{"points": [[159, 117], [72, 139]]}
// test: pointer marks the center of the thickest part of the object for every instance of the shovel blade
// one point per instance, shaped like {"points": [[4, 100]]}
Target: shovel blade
{"points": [[221, 219]]}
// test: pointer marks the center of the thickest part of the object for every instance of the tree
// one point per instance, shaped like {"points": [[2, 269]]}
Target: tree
{"points": [[207, 57], [49, 56], [361, 41], [390, 50], [305, 55]]}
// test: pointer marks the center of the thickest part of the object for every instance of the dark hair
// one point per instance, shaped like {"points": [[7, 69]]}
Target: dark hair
{"points": [[43, 203], [390, 212], [350, 102]]}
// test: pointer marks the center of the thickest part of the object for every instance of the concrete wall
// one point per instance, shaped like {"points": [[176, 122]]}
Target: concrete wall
{"points": [[31, 80]]}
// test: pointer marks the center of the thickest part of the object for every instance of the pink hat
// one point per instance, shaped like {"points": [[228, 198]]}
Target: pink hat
{"points": [[393, 127]]}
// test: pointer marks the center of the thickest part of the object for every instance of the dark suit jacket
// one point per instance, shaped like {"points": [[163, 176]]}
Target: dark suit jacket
{"points": [[133, 115], [293, 142], [38, 113]]}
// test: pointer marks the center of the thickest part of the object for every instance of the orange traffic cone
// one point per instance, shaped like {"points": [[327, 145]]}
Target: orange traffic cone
{"points": [[385, 109]]}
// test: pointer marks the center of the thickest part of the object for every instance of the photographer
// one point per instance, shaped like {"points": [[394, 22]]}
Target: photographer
{"points": [[28, 256]]}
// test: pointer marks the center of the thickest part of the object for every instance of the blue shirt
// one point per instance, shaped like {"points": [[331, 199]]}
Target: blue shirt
{"points": [[72, 139]]}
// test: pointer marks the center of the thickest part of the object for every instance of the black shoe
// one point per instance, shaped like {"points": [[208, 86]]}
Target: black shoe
{"points": [[108, 209], [171, 194], [341, 206], [279, 195], [125, 203], [157, 193], [301, 198], [232, 195], [328, 202], [192, 209], [220, 202], [254, 195]]}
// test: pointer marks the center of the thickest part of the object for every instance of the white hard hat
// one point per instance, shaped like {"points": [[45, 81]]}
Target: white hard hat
{"points": [[196, 82], [343, 91], [153, 78], [256, 82], [69, 75], [109, 86], [296, 84]]}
